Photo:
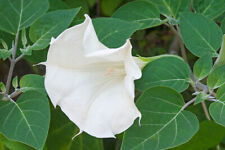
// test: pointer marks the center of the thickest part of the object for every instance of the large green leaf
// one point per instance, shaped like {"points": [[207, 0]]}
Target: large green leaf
{"points": [[57, 4], [172, 8], [217, 109], [60, 127], [221, 58], [133, 11], [223, 26], [69, 4], [203, 66], [216, 78], [32, 82], [26, 120], [50, 25], [18, 14], [78, 3], [109, 6], [209, 135], [14, 145], [200, 34], [209, 8], [169, 71], [164, 123], [113, 32]]}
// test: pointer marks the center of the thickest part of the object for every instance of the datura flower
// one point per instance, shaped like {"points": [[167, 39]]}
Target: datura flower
{"points": [[93, 84]]}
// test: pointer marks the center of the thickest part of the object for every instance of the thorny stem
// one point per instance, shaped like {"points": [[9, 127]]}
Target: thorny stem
{"points": [[12, 65]]}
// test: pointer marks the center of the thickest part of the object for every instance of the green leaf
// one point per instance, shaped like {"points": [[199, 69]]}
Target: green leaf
{"points": [[15, 82], [27, 50], [198, 111], [32, 82], [18, 14], [4, 53], [209, 135], [164, 123], [203, 66], [133, 11], [200, 35], [109, 6], [4, 44], [50, 25], [209, 8], [86, 142], [24, 38], [200, 98], [60, 127], [223, 26], [113, 32], [172, 8], [221, 58], [37, 56], [78, 3], [14, 145], [216, 78], [2, 87], [6, 38], [57, 4], [26, 120], [170, 71], [216, 109]]}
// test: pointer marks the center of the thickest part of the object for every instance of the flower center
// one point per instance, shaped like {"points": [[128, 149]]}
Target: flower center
{"points": [[114, 71]]}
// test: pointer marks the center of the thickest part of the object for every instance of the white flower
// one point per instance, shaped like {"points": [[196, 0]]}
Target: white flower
{"points": [[93, 84]]}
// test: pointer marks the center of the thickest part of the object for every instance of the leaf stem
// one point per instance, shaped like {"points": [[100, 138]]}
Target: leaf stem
{"points": [[204, 88], [188, 103], [205, 109], [20, 57], [15, 93], [12, 65], [182, 47], [181, 44], [197, 84]]}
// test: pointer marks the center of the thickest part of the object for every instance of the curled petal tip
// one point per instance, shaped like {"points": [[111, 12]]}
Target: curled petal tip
{"points": [[86, 16], [139, 120], [77, 134], [41, 63], [52, 40]]}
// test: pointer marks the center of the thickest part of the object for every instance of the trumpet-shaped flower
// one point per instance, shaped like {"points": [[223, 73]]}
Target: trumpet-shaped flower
{"points": [[93, 84]]}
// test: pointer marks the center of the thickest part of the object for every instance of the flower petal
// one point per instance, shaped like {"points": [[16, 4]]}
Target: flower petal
{"points": [[93, 85], [71, 45], [98, 105]]}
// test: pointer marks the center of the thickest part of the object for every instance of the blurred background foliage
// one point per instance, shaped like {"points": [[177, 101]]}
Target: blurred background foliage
{"points": [[149, 42]]}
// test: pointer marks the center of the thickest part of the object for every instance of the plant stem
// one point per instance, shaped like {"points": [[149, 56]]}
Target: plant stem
{"points": [[12, 65], [204, 88], [205, 109], [15, 93], [188, 103], [182, 47], [98, 7], [20, 57]]}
